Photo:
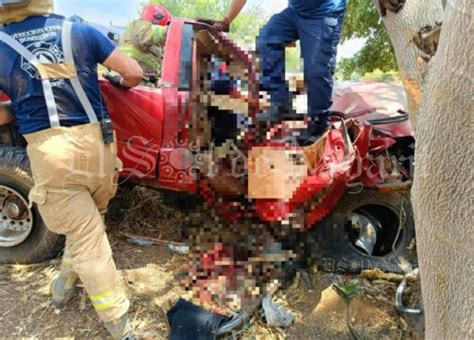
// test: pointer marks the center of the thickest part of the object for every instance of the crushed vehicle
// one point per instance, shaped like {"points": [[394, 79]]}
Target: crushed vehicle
{"points": [[190, 138]]}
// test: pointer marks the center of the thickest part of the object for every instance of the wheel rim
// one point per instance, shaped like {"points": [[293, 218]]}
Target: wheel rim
{"points": [[16, 218], [385, 222]]}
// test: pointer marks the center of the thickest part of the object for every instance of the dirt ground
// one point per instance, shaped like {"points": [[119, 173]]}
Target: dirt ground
{"points": [[149, 275]]}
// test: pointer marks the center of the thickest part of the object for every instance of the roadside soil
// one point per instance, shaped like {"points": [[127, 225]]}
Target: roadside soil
{"points": [[150, 278]]}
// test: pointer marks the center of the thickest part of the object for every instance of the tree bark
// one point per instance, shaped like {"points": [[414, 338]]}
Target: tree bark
{"points": [[402, 27], [443, 193]]}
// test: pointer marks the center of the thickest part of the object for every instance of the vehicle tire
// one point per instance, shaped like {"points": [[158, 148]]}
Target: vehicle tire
{"points": [[333, 241], [24, 238]]}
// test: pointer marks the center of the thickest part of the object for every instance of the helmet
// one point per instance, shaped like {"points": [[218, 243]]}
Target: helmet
{"points": [[18, 10], [156, 14]]}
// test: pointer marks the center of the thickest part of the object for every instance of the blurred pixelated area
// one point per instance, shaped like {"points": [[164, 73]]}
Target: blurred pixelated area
{"points": [[236, 263], [234, 257], [151, 277], [264, 183]]}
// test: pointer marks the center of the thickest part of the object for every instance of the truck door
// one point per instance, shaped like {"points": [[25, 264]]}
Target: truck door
{"points": [[176, 156]]}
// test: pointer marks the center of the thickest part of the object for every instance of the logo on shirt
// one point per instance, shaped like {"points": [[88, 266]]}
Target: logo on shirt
{"points": [[47, 53]]}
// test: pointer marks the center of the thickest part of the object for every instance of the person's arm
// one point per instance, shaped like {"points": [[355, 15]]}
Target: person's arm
{"points": [[128, 71], [5, 115], [234, 11], [131, 74]]}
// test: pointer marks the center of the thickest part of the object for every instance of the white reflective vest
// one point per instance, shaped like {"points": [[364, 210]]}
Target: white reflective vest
{"points": [[66, 70]]}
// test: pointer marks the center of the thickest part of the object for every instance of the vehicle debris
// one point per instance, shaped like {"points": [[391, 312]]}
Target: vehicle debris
{"points": [[413, 275], [275, 314], [188, 321], [316, 178], [144, 241], [367, 232], [301, 185], [178, 249], [140, 242]]}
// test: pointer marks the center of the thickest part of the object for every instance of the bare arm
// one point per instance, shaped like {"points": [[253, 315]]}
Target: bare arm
{"points": [[128, 68], [5, 116], [234, 11]]}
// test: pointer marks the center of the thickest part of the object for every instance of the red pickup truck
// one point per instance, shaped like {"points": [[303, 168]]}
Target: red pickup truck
{"points": [[187, 139]]}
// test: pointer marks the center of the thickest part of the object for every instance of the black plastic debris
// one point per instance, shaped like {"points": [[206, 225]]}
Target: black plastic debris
{"points": [[188, 321]]}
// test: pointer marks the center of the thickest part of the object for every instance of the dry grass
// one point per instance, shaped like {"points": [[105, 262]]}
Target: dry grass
{"points": [[149, 275], [143, 212]]}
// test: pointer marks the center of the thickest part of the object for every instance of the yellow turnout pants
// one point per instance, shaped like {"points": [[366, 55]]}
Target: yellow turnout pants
{"points": [[75, 176]]}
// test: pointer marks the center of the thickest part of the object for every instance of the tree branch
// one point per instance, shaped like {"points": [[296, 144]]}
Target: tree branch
{"points": [[394, 6]]}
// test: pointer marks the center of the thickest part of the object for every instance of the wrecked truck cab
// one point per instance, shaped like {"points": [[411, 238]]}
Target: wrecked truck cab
{"points": [[197, 134], [164, 134]]}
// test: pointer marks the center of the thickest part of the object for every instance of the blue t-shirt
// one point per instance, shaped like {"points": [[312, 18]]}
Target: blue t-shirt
{"points": [[317, 8], [20, 80]]}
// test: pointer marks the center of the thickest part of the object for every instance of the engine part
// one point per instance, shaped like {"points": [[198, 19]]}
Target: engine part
{"points": [[367, 232]]}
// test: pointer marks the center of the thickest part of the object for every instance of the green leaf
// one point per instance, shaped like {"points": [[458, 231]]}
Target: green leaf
{"points": [[363, 21], [351, 287]]}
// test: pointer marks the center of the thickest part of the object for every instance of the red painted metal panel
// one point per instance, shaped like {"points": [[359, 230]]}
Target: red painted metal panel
{"points": [[137, 116], [175, 154]]}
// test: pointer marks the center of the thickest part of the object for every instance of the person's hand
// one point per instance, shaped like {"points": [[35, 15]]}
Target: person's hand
{"points": [[115, 79], [221, 26], [128, 68], [209, 22]]}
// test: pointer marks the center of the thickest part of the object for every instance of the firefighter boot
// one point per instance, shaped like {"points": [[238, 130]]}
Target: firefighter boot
{"points": [[62, 290], [120, 328]]}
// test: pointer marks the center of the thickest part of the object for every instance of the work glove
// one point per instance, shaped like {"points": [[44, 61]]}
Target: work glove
{"points": [[115, 79], [221, 26]]}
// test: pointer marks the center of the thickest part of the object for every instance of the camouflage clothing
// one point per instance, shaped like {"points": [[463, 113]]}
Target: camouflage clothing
{"points": [[144, 42]]}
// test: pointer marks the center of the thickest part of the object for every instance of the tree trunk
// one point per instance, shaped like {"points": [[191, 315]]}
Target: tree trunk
{"points": [[402, 27], [443, 193]]}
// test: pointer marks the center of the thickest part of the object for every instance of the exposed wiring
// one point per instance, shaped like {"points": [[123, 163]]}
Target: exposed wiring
{"points": [[406, 267], [403, 265]]}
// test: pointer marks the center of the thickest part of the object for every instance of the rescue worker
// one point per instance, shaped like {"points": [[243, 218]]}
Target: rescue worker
{"points": [[317, 24], [144, 42], [49, 70]]}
